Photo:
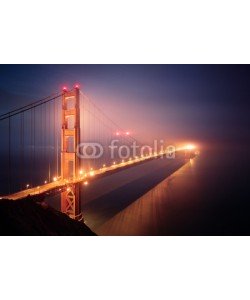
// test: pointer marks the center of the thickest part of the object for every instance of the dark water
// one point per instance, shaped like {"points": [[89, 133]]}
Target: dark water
{"points": [[104, 198], [208, 195], [221, 202]]}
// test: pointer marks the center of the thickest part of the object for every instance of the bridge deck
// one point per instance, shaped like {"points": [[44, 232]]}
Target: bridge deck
{"points": [[89, 176]]}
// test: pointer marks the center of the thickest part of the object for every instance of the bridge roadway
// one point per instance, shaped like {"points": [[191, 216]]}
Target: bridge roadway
{"points": [[58, 185]]}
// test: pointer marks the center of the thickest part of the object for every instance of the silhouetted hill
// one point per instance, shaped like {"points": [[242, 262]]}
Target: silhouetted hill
{"points": [[29, 217]]}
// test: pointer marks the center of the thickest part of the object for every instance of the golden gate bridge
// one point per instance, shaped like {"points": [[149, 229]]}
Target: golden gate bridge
{"points": [[41, 155]]}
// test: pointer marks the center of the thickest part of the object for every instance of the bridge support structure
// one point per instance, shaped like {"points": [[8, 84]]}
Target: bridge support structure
{"points": [[70, 162]]}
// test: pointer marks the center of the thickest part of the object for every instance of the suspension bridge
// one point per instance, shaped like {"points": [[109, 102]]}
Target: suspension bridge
{"points": [[46, 140]]}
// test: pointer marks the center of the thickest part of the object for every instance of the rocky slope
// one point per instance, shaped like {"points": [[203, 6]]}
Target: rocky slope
{"points": [[32, 217]]}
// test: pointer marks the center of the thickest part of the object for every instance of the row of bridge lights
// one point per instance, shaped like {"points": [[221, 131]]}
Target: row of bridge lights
{"points": [[188, 147], [92, 172], [45, 182]]}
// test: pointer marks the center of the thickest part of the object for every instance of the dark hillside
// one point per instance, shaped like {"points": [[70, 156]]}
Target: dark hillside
{"points": [[32, 217]]}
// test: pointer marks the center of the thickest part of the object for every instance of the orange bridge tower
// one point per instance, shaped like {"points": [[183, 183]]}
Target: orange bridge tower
{"points": [[70, 162]]}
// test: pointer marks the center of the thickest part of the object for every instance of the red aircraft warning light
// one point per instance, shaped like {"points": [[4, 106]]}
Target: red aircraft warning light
{"points": [[65, 89], [77, 86], [127, 133]]}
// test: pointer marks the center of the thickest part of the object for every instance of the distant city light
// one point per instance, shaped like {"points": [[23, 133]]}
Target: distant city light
{"points": [[55, 179], [190, 147], [45, 181], [85, 183], [81, 172], [27, 185]]}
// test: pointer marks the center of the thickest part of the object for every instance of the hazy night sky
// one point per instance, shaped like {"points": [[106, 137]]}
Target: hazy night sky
{"points": [[198, 103]]}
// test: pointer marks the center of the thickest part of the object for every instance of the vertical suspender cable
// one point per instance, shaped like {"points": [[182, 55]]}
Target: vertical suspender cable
{"points": [[21, 152], [9, 152], [34, 145], [57, 133], [54, 138]]}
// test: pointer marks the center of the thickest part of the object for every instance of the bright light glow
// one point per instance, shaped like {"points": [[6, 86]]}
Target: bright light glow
{"points": [[68, 189], [117, 133], [85, 183], [104, 166], [91, 173], [114, 163], [55, 179], [190, 147], [27, 185], [81, 172], [65, 88], [77, 86], [127, 133], [45, 181]]}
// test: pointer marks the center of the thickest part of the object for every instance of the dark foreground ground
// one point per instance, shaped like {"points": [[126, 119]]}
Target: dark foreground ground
{"points": [[29, 217]]}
